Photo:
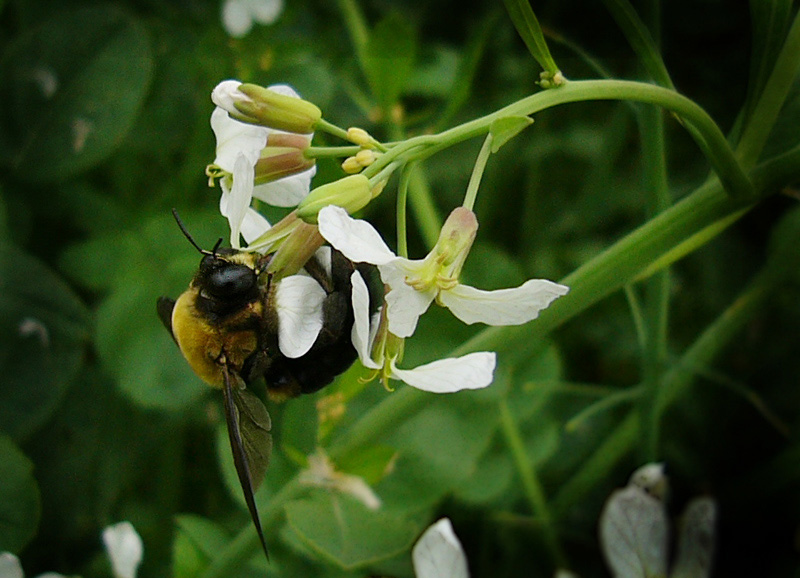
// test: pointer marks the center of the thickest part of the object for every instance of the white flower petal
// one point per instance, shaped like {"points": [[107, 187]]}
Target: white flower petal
{"points": [[235, 201], [438, 553], [124, 547], [253, 225], [360, 334], [472, 371], [298, 301], [504, 306], [288, 191], [284, 89], [236, 18], [236, 138], [404, 304], [356, 239], [10, 566]]}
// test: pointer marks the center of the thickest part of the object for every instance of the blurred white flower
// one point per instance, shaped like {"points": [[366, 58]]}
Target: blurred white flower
{"points": [[125, 549], [238, 16], [321, 473], [438, 553]]}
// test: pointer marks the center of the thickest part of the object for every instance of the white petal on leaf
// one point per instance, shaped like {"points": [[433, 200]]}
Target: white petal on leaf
{"points": [[236, 138], [360, 334], [124, 547], [634, 534], [696, 540], [404, 303], [438, 553], [503, 306], [472, 371], [299, 301], [10, 566], [356, 239], [288, 191]]}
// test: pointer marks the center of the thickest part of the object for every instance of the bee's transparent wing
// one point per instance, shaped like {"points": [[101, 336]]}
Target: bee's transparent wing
{"points": [[249, 425]]}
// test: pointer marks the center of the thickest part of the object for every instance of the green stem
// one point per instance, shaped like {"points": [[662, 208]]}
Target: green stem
{"points": [[703, 128], [331, 128], [402, 222], [477, 173], [530, 482], [331, 152], [356, 26], [765, 113]]}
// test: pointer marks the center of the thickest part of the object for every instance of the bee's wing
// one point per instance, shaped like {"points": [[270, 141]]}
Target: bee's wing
{"points": [[251, 443], [164, 307]]}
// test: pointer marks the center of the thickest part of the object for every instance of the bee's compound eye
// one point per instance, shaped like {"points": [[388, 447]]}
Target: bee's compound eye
{"points": [[231, 281]]}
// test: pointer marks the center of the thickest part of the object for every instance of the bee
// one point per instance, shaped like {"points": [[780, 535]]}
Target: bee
{"points": [[226, 326]]}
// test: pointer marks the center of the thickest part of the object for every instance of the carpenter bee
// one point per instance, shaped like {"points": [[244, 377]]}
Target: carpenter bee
{"points": [[226, 326]]}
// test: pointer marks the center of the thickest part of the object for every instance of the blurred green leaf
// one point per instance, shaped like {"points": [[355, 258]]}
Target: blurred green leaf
{"points": [[346, 532], [73, 87], [135, 267], [45, 331], [389, 58], [19, 498], [197, 541]]}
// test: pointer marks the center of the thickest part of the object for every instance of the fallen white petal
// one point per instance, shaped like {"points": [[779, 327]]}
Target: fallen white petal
{"points": [[236, 138], [288, 191], [298, 301], [124, 547], [356, 239], [472, 371], [10, 566], [438, 553], [404, 304], [634, 534], [503, 306], [360, 334]]}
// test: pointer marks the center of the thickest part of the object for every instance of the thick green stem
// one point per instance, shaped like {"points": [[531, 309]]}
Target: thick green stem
{"points": [[703, 128]]}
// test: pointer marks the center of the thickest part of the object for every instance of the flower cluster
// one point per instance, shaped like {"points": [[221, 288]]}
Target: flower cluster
{"points": [[263, 139]]}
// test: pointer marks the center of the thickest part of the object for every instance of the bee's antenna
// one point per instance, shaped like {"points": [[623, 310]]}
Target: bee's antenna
{"points": [[186, 234]]}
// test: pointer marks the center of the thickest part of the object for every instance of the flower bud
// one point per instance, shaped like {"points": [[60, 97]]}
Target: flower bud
{"points": [[351, 166], [351, 193], [258, 105], [282, 157], [455, 240], [359, 136]]}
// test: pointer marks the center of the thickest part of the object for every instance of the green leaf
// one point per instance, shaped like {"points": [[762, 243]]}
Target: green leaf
{"points": [[506, 128], [389, 58], [19, 498], [44, 330], [73, 87], [344, 531], [197, 541]]}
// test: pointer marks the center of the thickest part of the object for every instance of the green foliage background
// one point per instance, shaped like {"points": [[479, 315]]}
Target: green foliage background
{"points": [[104, 127]]}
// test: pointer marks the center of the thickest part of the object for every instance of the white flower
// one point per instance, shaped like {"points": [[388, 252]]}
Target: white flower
{"points": [[238, 15], [414, 284], [298, 300], [239, 147], [124, 547], [438, 553], [471, 371]]}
